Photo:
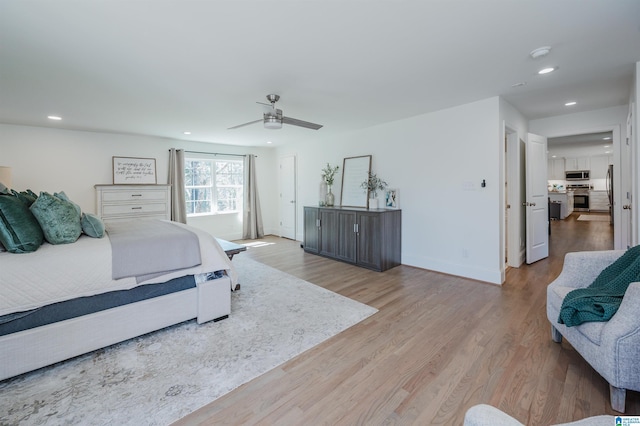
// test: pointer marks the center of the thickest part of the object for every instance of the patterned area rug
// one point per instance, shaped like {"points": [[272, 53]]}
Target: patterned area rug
{"points": [[593, 218], [163, 376]]}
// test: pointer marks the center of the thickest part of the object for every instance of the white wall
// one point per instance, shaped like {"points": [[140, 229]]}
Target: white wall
{"points": [[53, 160], [437, 162]]}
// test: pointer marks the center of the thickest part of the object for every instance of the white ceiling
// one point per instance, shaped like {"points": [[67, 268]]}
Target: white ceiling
{"points": [[162, 67]]}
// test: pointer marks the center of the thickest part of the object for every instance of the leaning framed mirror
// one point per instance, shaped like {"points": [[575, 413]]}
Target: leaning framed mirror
{"points": [[355, 170]]}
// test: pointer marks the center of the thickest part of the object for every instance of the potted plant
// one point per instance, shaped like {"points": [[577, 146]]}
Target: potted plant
{"points": [[328, 175], [373, 184]]}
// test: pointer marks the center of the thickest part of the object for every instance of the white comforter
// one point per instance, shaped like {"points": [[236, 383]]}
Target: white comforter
{"points": [[55, 273]]}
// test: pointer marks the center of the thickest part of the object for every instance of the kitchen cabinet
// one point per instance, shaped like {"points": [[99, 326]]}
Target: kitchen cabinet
{"points": [[598, 201], [565, 199], [555, 169], [599, 166], [126, 202], [577, 163], [367, 238]]}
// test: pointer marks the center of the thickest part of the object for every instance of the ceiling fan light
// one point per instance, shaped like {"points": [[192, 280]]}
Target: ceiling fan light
{"points": [[272, 123]]}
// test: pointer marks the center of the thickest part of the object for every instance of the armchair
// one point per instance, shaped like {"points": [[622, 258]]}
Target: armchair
{"points": [[612, 348]]}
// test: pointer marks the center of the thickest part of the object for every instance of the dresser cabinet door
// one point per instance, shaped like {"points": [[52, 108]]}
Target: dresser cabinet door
{"points": [[347, 233], [311, 230], [328, 232], [369, 240]]}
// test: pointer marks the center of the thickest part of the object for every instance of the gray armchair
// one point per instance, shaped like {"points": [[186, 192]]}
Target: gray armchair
{"points": [[612, 348]]}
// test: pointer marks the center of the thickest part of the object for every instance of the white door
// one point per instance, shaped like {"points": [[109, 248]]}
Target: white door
{"points": [[536, 198], [627, 187], [288, 197]]}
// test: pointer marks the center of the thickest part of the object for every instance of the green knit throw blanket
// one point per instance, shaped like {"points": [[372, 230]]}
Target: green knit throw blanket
{"points": [[601, 300]]}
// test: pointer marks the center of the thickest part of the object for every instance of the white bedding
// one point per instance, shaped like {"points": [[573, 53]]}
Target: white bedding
{"points": [[55, 273]]}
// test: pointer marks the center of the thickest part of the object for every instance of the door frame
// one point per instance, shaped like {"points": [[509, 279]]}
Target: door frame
{"points": [[618, 238]]}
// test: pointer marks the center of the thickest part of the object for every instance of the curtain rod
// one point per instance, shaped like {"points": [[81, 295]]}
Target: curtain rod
{"points": [[215, 153]]}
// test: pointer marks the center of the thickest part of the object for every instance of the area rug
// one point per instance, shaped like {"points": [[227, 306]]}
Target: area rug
{"points": [[593, 218], [158, 378]]}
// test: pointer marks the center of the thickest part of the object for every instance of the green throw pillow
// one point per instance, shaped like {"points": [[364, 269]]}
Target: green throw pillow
{"points": [[19, 229], [59, 219], [92, 225], [64, 197], [27, 197]]}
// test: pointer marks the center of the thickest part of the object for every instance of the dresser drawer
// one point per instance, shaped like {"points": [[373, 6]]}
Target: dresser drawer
{"points": [[134, 195], [133, 209]]}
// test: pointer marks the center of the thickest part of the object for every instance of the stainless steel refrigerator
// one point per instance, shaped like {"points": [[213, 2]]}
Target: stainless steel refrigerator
{"points": [[609, 182]]}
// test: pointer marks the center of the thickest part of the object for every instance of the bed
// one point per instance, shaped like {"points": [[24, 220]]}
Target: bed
{"points": [[61, 278]]}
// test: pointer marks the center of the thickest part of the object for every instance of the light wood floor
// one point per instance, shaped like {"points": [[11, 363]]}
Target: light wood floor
{"points": [[438, 345]]}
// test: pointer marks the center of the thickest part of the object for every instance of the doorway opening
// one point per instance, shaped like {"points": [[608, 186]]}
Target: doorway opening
{"points": [[585, 177]]}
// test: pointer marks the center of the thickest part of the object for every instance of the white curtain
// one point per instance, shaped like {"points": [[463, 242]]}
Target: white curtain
{"points": [[176, 180], [252, 216]]}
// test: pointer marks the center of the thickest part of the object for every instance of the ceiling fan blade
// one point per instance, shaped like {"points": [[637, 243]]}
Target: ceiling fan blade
{"points": [[301, 123], [245, 124]]}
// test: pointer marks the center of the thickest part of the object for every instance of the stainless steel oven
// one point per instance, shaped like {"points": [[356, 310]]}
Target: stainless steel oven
{"points": [[580, 196], [581, 201]]}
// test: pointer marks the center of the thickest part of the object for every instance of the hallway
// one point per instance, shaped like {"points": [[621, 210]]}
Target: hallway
{"points": [[574, 235], [567, 235]]}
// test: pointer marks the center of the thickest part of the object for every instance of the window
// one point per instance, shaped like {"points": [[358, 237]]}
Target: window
{"points": [[213, 186]]}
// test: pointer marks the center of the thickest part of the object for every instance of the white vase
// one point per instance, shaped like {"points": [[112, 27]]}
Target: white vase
{"points": [[373, 203]]}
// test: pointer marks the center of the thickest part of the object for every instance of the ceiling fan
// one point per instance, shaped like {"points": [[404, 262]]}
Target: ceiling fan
{"points": [[273, 118]]}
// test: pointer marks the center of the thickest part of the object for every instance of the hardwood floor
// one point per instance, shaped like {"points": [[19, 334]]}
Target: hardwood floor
{"points": [[438, 345]]}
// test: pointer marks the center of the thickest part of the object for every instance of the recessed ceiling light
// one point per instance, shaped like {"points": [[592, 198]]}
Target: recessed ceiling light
{"points": [[553, 156], [607, 146], [269, 142], [54, 117], [547, 70], [607, 138], [607, 152], [572, 103], [187, 133], [540, 52]]}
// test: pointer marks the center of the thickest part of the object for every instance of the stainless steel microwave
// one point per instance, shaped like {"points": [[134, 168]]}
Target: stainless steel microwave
{"points": [[577, 175]]}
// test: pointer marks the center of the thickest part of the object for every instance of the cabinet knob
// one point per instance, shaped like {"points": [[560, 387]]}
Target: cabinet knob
{"points": [[627, 207]]}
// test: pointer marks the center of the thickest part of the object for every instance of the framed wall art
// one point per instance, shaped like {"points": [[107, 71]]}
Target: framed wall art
{"points": [[391, 199], [131, 170]]}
